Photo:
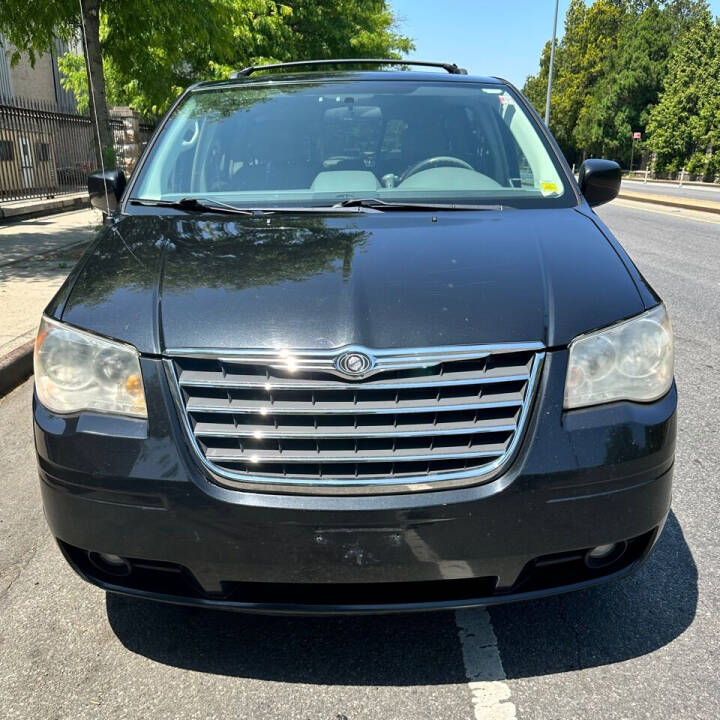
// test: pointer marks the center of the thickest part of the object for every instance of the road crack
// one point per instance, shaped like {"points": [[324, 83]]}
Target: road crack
{"points": [[16, 570]]}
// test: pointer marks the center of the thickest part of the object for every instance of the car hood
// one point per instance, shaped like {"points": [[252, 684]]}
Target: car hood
{"points": [[382, 280]]}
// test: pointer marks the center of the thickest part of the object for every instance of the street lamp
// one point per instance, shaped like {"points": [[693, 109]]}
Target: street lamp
{"points": [[550, 72]]}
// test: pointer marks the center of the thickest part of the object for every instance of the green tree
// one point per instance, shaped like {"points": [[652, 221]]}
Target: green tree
{"points": [[32, 28], [152, 49], [621, 100], [150, 56], [142, 53], [684, 127], [610, 68], [591, 34]]}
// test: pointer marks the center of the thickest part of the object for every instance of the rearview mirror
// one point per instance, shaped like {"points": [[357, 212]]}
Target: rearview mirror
{"points": [[599, 181], [106, 189]]}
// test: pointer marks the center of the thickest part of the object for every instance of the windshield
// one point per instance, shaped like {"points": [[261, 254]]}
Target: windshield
{"points": [[323, 143]]}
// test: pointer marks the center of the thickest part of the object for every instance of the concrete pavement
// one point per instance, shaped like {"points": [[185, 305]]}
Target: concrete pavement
{"points": [[35, 257], [668, 201], [674, 189], [700, 198]]}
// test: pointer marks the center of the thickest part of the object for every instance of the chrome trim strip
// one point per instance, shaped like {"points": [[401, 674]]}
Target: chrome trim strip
{"points": [[359, 434], [318, 409], [319, 385], [384, 359], [367, 486], [324, 459]]}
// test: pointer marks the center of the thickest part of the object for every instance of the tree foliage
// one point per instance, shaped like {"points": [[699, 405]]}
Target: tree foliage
{"points": [[152, 49], [613, 66], [684, 127]]}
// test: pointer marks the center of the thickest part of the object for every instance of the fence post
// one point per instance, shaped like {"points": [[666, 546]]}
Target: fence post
{"points": [[682, 177]]}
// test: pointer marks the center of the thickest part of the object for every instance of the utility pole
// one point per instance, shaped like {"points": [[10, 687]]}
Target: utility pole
{"points": [[550, 71], [635, 136]]}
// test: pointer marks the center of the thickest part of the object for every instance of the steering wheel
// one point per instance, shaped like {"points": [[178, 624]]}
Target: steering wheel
{"points": [[440, 160]]}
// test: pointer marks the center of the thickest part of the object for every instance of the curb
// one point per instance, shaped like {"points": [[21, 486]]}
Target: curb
{"points": [[671, 202], [16, 367], [52, 206]]}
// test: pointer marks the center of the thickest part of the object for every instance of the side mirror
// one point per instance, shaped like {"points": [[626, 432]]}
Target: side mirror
{"points": [[106, 189], [599, 181]]}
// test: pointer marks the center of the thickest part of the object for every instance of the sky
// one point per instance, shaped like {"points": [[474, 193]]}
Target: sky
{"points": [[488, 37]]}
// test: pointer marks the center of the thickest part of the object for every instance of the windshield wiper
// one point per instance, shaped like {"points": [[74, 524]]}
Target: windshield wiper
{"points": [[379, 204], [192, 204]]}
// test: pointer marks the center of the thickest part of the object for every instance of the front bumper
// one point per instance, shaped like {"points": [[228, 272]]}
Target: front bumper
{"points": [[580, 479]]}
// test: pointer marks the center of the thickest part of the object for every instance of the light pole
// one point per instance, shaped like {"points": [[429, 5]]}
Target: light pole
{"points": [[550, 71]]}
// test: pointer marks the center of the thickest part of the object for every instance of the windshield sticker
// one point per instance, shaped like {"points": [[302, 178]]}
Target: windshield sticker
{"points": [[548, 188]]}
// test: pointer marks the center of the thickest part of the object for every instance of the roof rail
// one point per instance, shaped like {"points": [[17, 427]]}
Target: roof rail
{"points": [[452, 68]]}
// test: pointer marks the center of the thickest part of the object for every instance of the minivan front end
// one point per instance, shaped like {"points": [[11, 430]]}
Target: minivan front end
{"points": [[354, 343], [495, 494]]}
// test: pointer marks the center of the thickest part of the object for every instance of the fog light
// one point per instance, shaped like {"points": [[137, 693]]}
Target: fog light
{"points": [[601, 551], [603, 555], [110, 564]]}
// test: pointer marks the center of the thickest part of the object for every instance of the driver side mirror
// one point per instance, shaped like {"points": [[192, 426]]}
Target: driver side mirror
{"points": [[599, 181], [106, 189]]}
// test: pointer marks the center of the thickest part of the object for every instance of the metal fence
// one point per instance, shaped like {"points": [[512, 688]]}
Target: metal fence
{"points": [[44, 152], [679, 177]]}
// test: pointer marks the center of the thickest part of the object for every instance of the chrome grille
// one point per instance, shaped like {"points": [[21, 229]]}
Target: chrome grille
{"points": [[418, 417]]}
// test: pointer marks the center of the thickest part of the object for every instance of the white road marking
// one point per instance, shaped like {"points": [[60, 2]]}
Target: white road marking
{"points": [[483, 666]]}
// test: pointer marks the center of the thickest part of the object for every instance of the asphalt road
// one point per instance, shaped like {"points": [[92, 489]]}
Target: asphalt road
{"points": [[646, 647], [696, 192]]}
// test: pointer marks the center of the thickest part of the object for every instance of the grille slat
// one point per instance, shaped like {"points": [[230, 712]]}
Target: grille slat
{"points": [[229, 455], [265, 407], [259, 431], [195, 378], [438, 414]]}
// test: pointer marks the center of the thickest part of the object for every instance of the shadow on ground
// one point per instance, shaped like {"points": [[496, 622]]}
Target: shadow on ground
{"points": [[595, 627], [27, 244], [607, 624]]}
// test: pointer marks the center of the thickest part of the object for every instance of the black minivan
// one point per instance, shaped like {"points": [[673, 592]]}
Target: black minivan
{"points": [[353, 342]]}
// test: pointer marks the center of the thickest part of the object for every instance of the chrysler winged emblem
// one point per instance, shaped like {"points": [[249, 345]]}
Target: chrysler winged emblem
{"points": [[353, 364]]}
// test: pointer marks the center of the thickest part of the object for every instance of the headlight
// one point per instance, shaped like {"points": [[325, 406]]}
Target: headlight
{"points": [[629, 361], [75, 371]]}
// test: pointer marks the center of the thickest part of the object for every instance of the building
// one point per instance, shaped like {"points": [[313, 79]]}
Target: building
{"points": [[40, 83], [42, 145], [46, 147]]}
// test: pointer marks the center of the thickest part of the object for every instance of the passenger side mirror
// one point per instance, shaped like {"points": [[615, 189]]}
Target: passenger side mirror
{"points": [[599, 181], [106, 189]]}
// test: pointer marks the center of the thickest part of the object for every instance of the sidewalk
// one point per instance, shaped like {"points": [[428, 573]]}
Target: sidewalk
{"points": [[36, 207], [35, 257], [672, 201]]}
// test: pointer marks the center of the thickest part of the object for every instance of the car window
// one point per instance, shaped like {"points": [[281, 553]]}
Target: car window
{"points": [[324, 142]]}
